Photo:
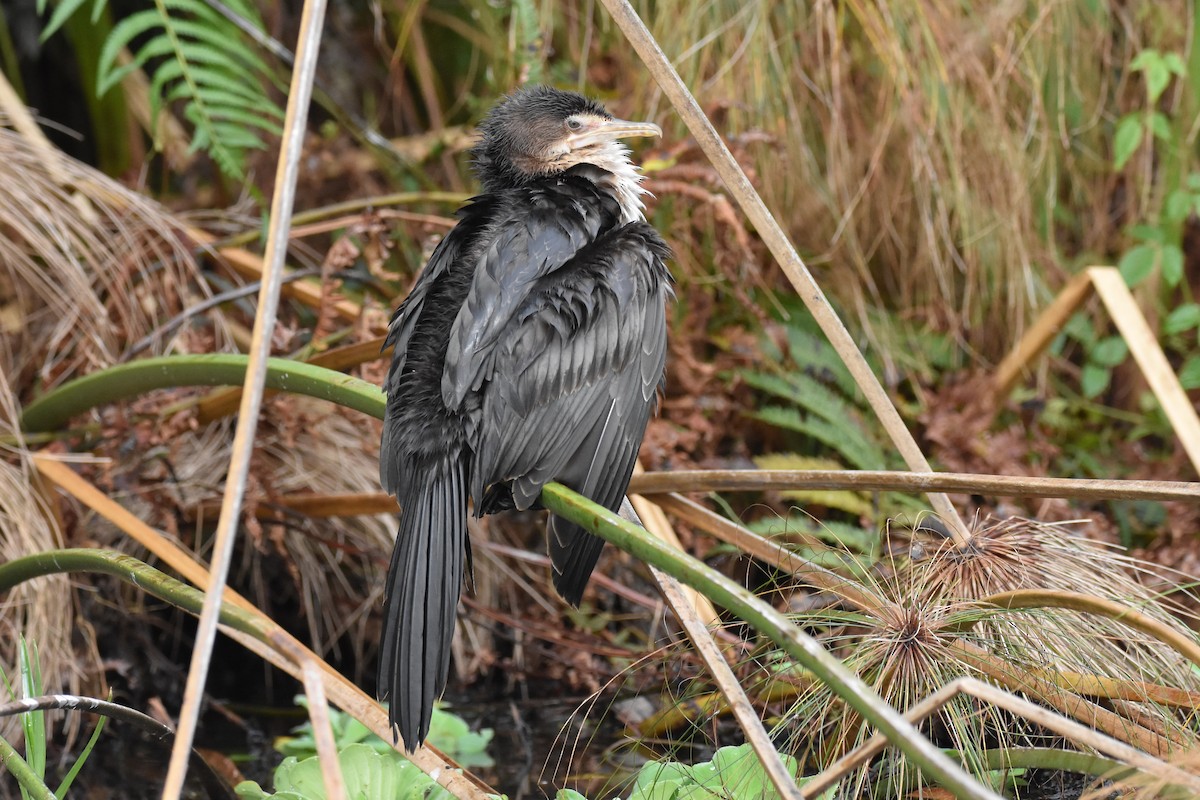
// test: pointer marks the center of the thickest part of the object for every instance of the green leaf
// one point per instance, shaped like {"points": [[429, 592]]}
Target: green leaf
{"points": [[856, 503], [1095, 380], [1126, 139], [201, 59], [1175, 64], [1147, 233], [1157, 78], [1178, 205], [1172, 265], [734, 772], [250, 790], [73, 772], [1079, 327], [217, 39], [1109, 352], [805, 391], [369, 776], [1137, 263], [1161, 126], [1181, 319], [1145, 59], [33, 723], [1189, 373], [63, 9], [123, 33], [815, 356], [451, 734], [846, 440]]}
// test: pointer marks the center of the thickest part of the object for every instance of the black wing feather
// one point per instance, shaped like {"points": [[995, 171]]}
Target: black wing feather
{"points": [[572, 383], [545, 229], [455, 250], [421, 596], [529, 350]]}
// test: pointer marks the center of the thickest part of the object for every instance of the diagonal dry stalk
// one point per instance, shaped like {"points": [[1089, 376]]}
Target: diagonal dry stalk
{"points": [[781, 248], [294, 128], [287, 651], [684, 603]]}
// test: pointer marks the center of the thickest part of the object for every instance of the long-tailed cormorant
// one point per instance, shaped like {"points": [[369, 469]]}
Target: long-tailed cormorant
{"points": [[531, 349]]}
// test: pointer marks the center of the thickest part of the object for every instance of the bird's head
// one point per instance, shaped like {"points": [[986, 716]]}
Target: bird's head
{"points": [[540, 131]]}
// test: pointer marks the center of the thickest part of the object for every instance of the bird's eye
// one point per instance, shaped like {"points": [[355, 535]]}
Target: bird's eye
{"points": [[574, 123]]}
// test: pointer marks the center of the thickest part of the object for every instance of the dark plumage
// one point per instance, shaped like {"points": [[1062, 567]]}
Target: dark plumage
{"points": [[531, 349]]}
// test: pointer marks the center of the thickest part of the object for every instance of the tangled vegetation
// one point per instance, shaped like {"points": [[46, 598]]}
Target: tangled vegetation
{"points": [[944, 169]]}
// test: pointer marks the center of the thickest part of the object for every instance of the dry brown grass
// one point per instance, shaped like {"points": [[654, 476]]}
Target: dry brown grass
{"points": [[86, 266], [943, 160]]}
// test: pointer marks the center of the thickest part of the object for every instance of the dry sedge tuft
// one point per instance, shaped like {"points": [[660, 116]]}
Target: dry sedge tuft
{"points": [[86, 265], [924, 626], [1015, 553]]}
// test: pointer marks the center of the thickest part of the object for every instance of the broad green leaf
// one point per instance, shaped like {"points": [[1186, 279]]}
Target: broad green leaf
{"points": [[1142, 232], [1161, 126], [1094, 380], [1157, 78], [1079, 327], [1127, 139], [1175, 64], [62, 10], [660, 772], [1189, 373], [1178, 205], [1109, 351], [369, 775], [1181, 319], [1145, 59], [1137, 263], [1172, 265]]}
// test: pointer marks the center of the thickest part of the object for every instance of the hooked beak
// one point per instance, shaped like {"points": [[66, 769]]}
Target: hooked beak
{"points": [[609, 129]]}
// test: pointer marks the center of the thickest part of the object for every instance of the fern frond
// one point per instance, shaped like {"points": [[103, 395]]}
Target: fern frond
{"points": [[806, 392], [847, 441], [201, 59], [62, 12], [846, 537], [814, 355]]}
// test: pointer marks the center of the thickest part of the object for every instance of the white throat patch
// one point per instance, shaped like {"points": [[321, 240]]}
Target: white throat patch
{"points": [[626, 180]]}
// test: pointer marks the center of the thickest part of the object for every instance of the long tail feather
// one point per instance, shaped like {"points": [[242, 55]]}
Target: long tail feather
{"points": [[421, 600]]}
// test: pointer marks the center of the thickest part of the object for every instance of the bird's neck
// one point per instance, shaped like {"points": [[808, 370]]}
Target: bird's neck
{"points": [[623, 179]]}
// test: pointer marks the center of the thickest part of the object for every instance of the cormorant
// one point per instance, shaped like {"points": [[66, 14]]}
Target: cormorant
{"points": [[531, 349]]}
